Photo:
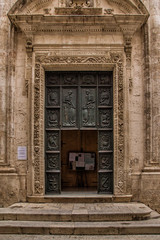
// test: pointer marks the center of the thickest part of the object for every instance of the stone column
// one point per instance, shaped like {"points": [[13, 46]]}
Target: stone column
{"points": [[150, 184], [154, 8], [152, 84], [6, 85], [4, 31]]}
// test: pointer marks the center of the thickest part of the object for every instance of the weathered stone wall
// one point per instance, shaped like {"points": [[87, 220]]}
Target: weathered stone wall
{"points": [[12, 177]]}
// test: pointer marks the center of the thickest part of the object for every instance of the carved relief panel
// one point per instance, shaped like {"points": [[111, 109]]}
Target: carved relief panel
{"points": [[52, 118], [52, 183], [69, 107], [52, 140], [88, 107], [52, 161], [105, 110], [53, 97]]}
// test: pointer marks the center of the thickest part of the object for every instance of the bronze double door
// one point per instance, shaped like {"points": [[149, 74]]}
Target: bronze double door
{"points": [[78, 112]]}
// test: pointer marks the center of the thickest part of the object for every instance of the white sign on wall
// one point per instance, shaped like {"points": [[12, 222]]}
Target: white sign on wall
{"points": [[22, 153]]}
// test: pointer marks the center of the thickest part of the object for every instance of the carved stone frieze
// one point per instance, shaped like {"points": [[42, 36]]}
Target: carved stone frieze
{"points": [[111, 58]]}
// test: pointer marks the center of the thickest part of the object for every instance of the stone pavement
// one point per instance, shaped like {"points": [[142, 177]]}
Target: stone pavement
{"points": [[68, 237]]}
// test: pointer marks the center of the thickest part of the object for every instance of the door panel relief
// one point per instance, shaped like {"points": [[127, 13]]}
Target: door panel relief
{"points": [[105, 111], [79, 101], [69, 107], [88, 107]]}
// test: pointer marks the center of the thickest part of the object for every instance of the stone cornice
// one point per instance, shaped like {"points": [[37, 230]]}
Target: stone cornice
{"points": [[32, 24]]}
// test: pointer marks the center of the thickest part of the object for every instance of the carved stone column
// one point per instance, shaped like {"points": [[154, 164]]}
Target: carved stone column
{"points": [[128, 52], [27, 93], [152, 108], [154, 8]]}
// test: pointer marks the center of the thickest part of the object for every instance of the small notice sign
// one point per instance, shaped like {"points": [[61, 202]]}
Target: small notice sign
{"points": [[82, 161], [22, 153]]}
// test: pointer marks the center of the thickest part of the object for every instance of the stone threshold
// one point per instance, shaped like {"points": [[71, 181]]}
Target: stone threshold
{"points": [[79, 197]]}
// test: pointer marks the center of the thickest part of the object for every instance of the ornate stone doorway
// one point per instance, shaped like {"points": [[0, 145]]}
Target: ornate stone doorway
{"points": [[79, 101]]}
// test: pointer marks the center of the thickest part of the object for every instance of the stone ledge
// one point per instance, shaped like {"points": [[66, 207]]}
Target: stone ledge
{"points": [[7, 170]]}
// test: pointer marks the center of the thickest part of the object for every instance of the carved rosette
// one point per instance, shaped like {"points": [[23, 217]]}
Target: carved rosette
{"points": [[112, 58]]}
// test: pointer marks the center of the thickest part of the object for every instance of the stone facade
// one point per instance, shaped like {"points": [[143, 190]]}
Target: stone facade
{"points": [[103, 35]]}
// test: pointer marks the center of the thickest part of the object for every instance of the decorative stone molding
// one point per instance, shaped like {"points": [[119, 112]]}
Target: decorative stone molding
{"points": [[43, 61]]}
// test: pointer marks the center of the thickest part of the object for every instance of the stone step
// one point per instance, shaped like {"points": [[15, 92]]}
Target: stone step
{"points": [[68, 212], [78, 237], [79, 197], [80, 228]]}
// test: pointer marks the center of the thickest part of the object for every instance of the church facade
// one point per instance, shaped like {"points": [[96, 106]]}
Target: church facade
{"points": [[79, 94]]}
